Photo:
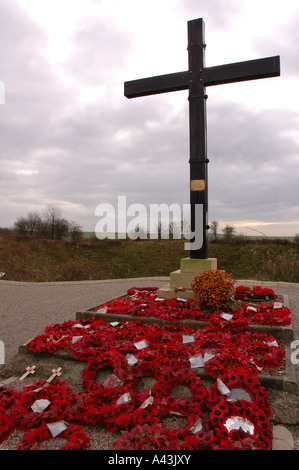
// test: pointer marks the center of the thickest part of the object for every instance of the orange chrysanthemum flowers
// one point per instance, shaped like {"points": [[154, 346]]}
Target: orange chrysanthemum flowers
{"points": [[213, 289]]}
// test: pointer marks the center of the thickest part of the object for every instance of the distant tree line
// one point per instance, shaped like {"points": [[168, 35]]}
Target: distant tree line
{"points": [[228, 230], [50, 224]]}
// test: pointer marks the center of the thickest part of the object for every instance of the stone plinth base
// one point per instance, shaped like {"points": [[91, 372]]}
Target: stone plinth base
{"points": [[168, 292], [180, 280]]}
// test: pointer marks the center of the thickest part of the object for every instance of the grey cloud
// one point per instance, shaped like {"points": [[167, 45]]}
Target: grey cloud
{"points": [[216, 13], [33, 94], [251, 138], [100, 51], [283, 42], [254, 166]]}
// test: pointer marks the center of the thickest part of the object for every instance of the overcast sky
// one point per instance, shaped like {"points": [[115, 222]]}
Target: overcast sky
{"points": [[70, 138]]}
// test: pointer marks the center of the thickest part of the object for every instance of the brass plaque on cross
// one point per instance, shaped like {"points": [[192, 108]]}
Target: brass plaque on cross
{"points": [[197, 185]]}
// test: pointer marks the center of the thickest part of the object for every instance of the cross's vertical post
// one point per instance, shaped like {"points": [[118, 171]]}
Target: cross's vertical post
{"points": [[198, 137]]}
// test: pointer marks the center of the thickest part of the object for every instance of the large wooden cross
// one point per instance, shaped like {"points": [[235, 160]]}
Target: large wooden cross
{"points": [[196, 79]]}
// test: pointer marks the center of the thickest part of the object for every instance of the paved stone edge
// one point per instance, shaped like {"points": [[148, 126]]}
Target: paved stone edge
{"points": [[282, 439], [247, 282]]}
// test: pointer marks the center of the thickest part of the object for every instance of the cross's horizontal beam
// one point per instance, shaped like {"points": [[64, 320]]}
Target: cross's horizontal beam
{"points": [[230, 73], [154, 85], [241, 71]]}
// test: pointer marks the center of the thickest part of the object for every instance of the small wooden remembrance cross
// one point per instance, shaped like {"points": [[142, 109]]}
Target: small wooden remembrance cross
{"points": [[196, 79]]}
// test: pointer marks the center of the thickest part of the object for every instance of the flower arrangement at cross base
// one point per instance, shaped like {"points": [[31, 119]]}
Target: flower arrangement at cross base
{"points": [[213, 290]]}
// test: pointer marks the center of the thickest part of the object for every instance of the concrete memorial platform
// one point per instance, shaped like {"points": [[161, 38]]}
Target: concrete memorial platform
{"points": [[282, 391]]}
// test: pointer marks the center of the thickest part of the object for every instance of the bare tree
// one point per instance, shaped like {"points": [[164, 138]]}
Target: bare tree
{"points": [[214, 228], [33, 222], [20, 226], [51, 216], [228, 231], [75, 231], [58, 227], [62, 227], [29, 225]]}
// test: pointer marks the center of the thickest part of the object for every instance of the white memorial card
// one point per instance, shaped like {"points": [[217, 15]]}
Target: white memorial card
{"points": [[222, 387], [258, 368], [112, 382], [141, 344], [131, 359], [40, 405], [237, 423], [102, 310], [125, 398], [253, 309], [176, 413], [196, 361], [148, 401], [239, 394], [208, 356], [78, 325], [57, 428], [76, 338], [197, 427], [188, 339], [277, 305], [226, 316]]}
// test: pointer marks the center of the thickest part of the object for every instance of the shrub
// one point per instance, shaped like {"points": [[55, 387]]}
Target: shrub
{"points": [[213, 289]]}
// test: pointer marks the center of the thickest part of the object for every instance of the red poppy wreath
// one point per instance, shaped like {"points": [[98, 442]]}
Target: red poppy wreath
{"points": [[73, 433], [239, 379], [239, 425], [6, 425], [58, 397]]}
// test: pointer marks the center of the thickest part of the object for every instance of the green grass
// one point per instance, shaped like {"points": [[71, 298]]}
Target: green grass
{"points": [[46, 260]]}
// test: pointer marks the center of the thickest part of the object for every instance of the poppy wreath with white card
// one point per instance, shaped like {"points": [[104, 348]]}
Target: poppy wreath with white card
{"points": [[228, 321], [93, 346], [263, 354], [74, 434], [268, 315], [206, 338], [58, 395], [237, 379], [239, 425], [90, 374], [228, 359]]}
